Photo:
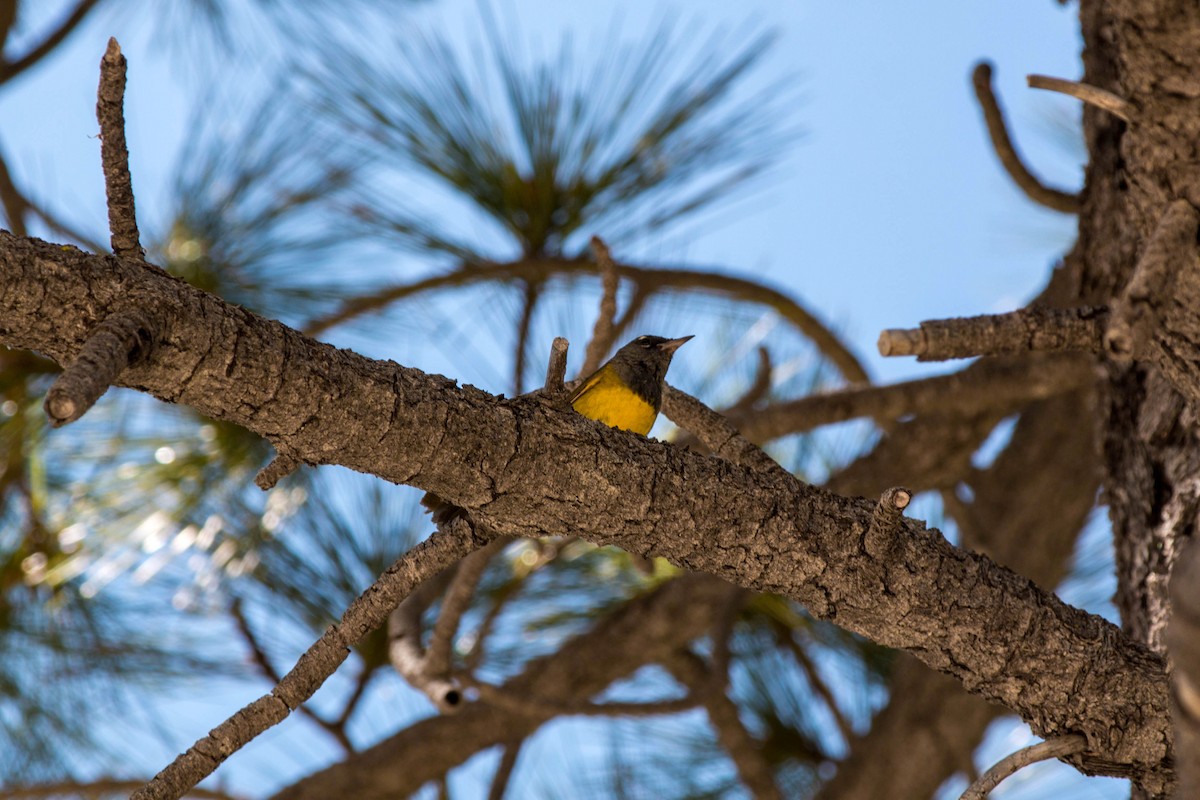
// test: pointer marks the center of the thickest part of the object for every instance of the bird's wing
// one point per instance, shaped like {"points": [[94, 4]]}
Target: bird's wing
{"points": [[588, 383]]}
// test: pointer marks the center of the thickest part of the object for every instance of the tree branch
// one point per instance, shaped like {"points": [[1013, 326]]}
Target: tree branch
{"points": [[536, 470], [10, 69], [1010, 159], [1023, 331], [556, 368], [317, 663], [646, 280], [1003, 385], [604, 330], [1057, 747], [1092, 95], [118, 185], [120, 341], [1183, 643], [648, 629]]}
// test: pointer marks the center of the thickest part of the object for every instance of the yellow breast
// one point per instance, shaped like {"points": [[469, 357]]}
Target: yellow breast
{"points": [[606, 399]]}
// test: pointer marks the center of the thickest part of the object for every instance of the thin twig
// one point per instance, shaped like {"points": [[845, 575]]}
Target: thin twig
{"points": [[1004, 384], [1055, 747], [282, 465], [646, 280], [1023, 331], [259, 655], [10, 69], [886, 521], [114, 155], [605, 329], [534, 706], [713, 430], [118, 342], [320, 661], [813, 676], [101, 787], [758, 388], [1092, 95], [455, 602], [993, 116], [533, 290], [504, 770], [556, 368]]}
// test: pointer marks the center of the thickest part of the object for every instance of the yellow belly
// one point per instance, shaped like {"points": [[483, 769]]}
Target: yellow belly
{"points": [[605, 399]]}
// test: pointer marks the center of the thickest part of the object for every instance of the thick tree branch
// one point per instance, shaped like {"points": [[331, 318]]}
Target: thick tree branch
{"points": [[536, 470], [1024, 331], [317, 663], [1010, 159], [114, 155]]}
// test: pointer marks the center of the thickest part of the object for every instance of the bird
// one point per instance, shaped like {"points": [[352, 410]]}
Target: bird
{"points": [[627, 391]]}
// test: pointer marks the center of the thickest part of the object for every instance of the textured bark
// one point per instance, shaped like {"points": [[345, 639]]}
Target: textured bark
{"points": [[1146, 52], [646, 630], [1027, 511], [524, 468]]}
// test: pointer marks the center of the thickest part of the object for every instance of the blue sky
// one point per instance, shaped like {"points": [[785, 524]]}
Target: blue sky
{"points": [[890, 209]]}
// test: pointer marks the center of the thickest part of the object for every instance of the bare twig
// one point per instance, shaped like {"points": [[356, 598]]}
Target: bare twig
{"points": [[455, 602], [758, 389], [1092, 95], [118, 342], [1001, 384], [1023, 331], [10, 69], [743, 749], [118, 186], [1055, 747], [282, 465], [259, 655], [13, 201], [317, 663], [404, 639], [504, 770], [533, 705], [993, 116], [556, 368], [605, 328], [646, 281], [1170, 249], [100, 788], [813, 676], [880, 537], [533, 290], [713, 430]]}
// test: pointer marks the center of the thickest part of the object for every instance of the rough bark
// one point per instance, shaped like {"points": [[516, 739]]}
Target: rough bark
{"points": [[524, 468]]}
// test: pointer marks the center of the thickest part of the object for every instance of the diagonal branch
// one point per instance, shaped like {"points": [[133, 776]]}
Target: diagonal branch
{"points": [[317, 663], [10, 69], [1010, 159], [604, 331], [537, 470]]}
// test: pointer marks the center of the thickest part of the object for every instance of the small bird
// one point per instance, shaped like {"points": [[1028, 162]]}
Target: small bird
{"points": [[626, 392]]}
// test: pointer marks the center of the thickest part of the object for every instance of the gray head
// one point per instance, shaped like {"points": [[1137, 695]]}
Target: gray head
{"points": [[643, 363]]}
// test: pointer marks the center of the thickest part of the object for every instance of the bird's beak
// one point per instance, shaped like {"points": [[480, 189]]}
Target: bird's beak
{"points": [[671, 345]]}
